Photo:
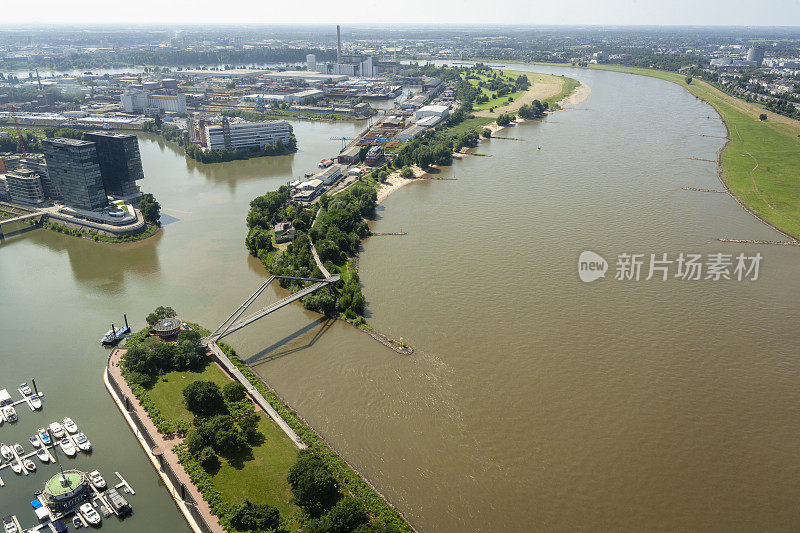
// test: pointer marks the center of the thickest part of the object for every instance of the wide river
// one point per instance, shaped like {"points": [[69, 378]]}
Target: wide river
{"points": [[533, 401]]}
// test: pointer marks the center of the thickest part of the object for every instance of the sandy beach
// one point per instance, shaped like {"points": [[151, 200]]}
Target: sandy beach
{"points": [[394, 182], [580, 94]]}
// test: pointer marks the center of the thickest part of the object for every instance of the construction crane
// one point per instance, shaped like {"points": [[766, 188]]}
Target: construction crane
{"points": [[19, 131], [346, 140]]}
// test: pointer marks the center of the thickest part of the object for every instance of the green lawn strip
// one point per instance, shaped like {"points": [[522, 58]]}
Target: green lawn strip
{"points": [[761, 163]]}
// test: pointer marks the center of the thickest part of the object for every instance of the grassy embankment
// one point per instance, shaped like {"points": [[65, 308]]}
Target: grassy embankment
{"points": [[261, 475], [761, 162]]}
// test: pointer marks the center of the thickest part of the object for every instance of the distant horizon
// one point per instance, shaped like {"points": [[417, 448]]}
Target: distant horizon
{"points": [[565, 13]]}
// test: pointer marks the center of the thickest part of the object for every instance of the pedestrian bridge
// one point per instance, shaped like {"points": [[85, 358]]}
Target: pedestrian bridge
{"points": [[236, 321]]}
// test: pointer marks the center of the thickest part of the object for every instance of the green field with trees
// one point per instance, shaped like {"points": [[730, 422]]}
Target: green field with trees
{"points": [[248, 470]]}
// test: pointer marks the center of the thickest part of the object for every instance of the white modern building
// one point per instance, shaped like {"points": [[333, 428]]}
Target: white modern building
{"points": [[247, 134], [141, 102], [311, 62]]}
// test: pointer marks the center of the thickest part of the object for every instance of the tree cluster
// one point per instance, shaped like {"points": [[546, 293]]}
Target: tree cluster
{"points": [[535, 109], [150, 208], [147, 360]]}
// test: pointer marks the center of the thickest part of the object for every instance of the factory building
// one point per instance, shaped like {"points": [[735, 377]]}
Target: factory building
{"points": [[432, 111], [24, 187], [120, 162], [75, 171], [358, 66], [142, 102], [237, 135]]}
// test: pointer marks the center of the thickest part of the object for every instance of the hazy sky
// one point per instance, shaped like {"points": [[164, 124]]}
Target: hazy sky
{"points": [[600, 12]]}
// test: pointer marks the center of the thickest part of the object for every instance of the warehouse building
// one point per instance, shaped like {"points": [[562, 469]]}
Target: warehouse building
{"points": [[142, 102]]}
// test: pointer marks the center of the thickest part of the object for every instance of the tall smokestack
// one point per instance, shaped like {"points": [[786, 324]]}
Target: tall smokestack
{"points": [[338, 44]]}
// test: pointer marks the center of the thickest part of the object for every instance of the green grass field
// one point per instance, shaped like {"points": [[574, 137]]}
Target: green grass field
{"points": [[470, 124], [260, 476], [761, 163], [493, 102]]}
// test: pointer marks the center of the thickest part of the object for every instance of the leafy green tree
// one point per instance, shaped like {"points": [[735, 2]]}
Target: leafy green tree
{"points": [[233, 391], [247, 516], [407, 172], [313, 486], [688, 80], [762, 116], [486, 133], [344, 517], [150, 208], [159, 313], [208, 459], [194, 442], [249, 426], [203, 398], [257, 240]]}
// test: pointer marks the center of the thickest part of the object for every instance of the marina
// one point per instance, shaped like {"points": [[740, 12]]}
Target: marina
{"points": [[31, 397]]}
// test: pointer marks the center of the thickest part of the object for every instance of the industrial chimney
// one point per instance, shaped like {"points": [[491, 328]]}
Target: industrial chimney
{"points": [[338, 45]]}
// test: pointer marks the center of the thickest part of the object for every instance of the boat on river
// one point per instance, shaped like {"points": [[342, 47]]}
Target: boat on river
{"points": [[114, 335]]}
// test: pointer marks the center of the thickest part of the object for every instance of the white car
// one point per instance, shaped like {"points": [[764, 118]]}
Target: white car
{"points": [[97, 480], [90, 514], [57, 430], [67, 447], [69, 425]]}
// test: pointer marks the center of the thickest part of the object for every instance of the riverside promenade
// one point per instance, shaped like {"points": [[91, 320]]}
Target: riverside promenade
{"points": [[158, 449]]}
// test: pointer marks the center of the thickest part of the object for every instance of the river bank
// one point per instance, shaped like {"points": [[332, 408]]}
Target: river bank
{"points": [[759, 163]]}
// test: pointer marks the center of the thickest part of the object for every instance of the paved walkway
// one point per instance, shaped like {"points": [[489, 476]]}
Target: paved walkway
{"points": [[165, 444], [260, 401]]}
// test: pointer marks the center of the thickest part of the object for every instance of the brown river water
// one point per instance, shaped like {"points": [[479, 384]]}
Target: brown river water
{"points": [[533, 401]]}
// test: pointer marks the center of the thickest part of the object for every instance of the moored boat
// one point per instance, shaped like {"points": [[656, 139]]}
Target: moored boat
{"points": [[30, 466], [67, 447], [83, 442], [36, 402], [18, 449], [6, 452], [69, 425], [115, 335], [44, 436], [16, 466], [35, 441], [41, 453]]}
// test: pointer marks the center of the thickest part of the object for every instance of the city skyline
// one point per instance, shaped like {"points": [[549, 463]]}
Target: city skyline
{"points": [[510, 12]]}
